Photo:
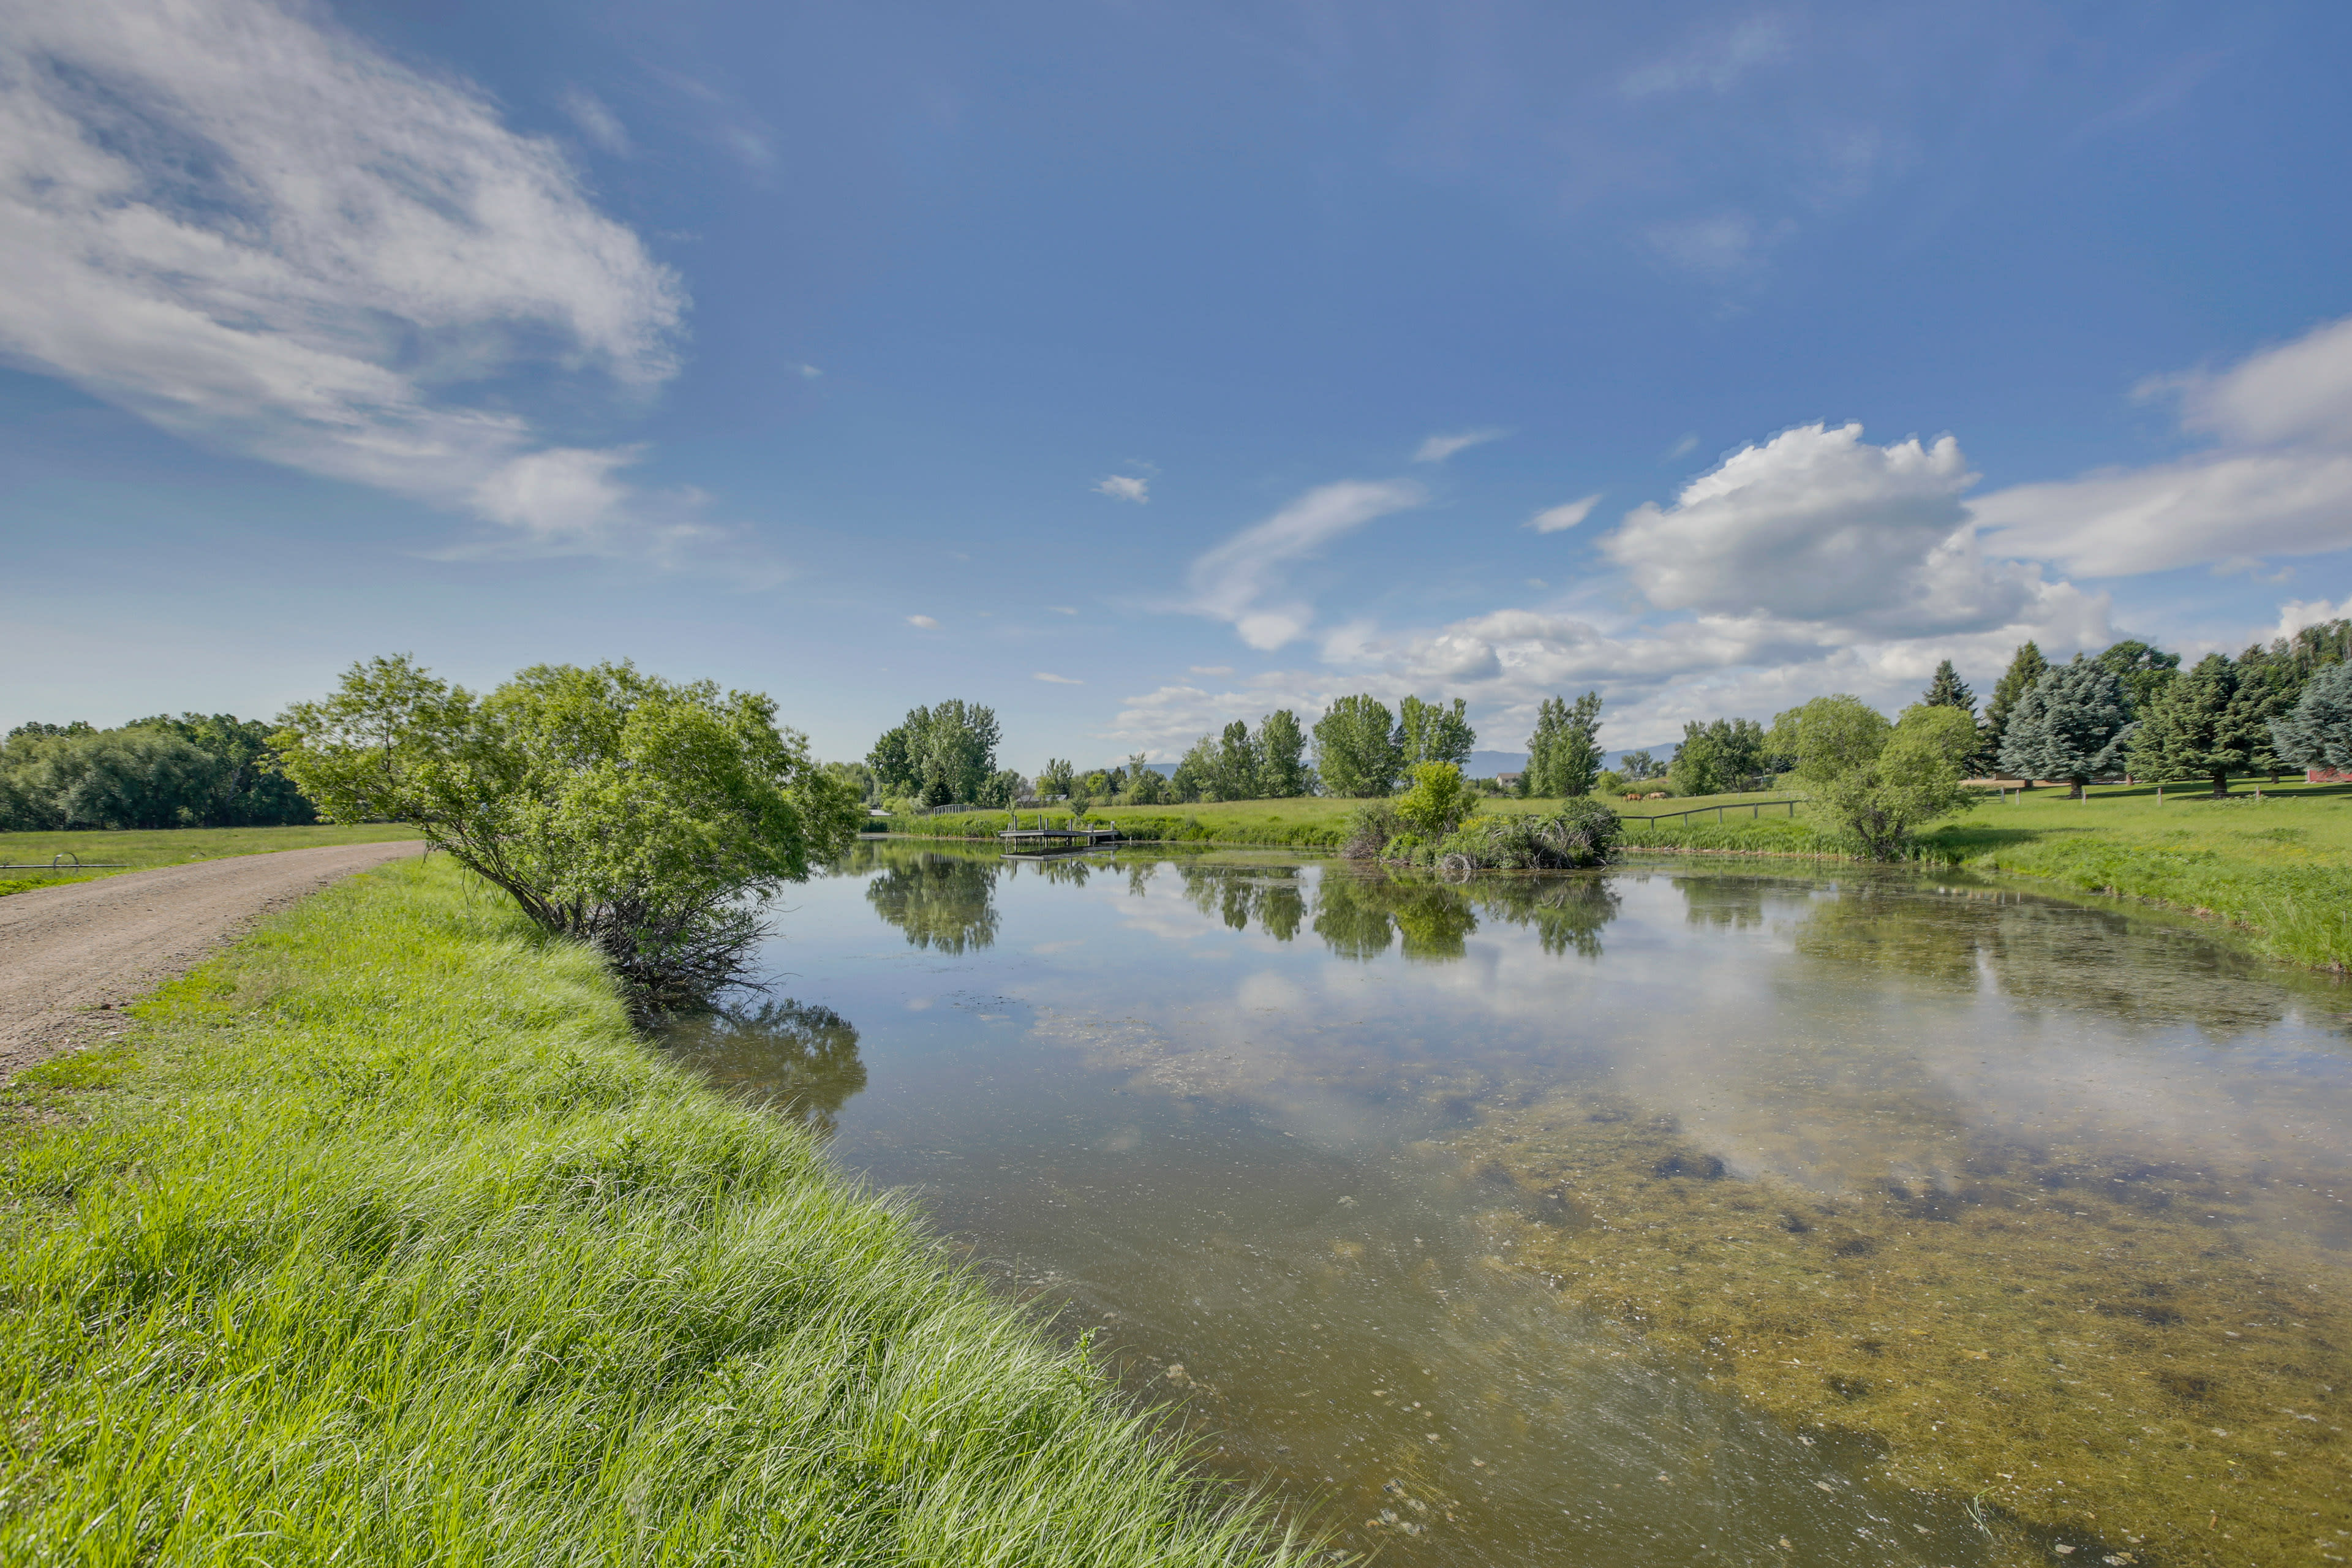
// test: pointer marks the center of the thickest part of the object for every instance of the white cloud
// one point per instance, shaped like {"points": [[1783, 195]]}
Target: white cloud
{"points": [[1715, 245], [1437, 449], [1063, 609], [926, 622], [1232, 581], [262, 234], [810, 373], [1212, 669], [1816, 524], [2277, 480], [2297, 613], [1551, 520], [1125, 487], [1167, 721], [599, 124], [1714, 61], [1682, 448], [1057, 679]]}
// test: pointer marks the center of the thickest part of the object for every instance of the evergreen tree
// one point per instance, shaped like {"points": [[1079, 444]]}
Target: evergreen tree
{"points": [[1564, 753], [1432, 732], [1356, 748], [1949, 690], [2316, 733], [1282, 756], [2144, 671], [2070, 725], [2196, 728], [2023, 670]]}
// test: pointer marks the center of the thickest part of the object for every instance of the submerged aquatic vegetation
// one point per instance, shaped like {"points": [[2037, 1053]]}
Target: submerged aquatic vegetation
{"points": [[2092, 1352]]}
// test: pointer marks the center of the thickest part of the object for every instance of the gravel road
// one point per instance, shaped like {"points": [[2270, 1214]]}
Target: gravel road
{"points": [[71, 956]]}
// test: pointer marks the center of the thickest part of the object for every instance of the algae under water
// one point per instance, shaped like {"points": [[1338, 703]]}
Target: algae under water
{"points": [[1675, 1213]]}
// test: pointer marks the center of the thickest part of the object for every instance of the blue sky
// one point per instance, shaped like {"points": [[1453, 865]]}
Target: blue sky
{"points": [[1132, 367]]}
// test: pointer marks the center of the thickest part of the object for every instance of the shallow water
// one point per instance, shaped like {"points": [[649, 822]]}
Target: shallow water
{"points": [[1671, 1215]]}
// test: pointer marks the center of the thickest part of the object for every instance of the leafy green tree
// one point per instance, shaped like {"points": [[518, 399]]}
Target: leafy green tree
{"points": [[1055, 778], [1718, 756], [1873, 781], [1236, 764], [2026, 668], [111, 779], [1282, 756], [649, 819], [1432, 732], [1001, 789], [2072, 724], [247, 789], [2144, 671], [1947, 690], [2316, 733], [1356, 748], [1638, 767], [1564, 752], [939, 754], [1435, 800]]}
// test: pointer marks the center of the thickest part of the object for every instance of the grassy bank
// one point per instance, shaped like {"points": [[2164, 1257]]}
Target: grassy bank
{"points": [[2279, 868], [138, 850], [1313, 822], [380, 1239]]}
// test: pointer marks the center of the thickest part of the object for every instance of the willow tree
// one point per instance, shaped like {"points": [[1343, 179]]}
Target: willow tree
{"points": [[1875, 782], [652, 820]]}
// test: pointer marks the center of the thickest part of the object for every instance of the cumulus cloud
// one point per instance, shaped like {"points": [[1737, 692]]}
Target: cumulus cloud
{"points": [[1125, 487], [262, 234], [1551, 520], [1235, 581], [2277, 479], [1166, 720], [2297, 613], [1437, 449], [1817, 524], [926, 622]]}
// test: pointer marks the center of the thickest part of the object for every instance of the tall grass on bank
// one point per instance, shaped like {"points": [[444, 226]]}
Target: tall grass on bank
{"points": [[384, 1241], [139, 849]]}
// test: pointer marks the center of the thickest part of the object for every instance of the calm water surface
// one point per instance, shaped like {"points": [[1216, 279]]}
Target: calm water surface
{"points": [[1453, 1211]]}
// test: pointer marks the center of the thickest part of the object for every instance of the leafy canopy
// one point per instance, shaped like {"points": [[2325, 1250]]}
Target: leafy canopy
{"points": [[1874, 782], [1564, 752], [1356, 748], [648, 818]]}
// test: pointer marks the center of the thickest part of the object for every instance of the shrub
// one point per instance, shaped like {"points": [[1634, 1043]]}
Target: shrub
{"points": [[1582, 832], [1438, 800]]}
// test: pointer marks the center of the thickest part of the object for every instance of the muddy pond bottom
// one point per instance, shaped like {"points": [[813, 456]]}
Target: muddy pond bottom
{"points": [[1666, 1214]]}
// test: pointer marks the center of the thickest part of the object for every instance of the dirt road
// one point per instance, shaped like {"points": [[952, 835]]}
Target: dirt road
{"points": [[71, 956]]}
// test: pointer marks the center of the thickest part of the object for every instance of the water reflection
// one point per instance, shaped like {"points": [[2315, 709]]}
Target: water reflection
{"points": [[1805, 1216], [946, 903], [801, 1058]]}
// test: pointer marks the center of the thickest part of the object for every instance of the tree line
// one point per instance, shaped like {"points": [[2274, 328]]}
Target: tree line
{"points": [[197, 770]]}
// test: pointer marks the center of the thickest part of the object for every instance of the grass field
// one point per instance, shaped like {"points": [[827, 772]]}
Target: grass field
{"points": [[138, 851], [380, 1239]]}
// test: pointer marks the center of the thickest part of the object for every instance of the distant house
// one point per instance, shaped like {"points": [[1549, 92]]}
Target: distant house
{"points": [[1510, 782], [2326, 776]]}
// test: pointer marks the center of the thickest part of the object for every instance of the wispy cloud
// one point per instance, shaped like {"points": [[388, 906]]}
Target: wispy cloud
{"points": [[1437, 449], [262, 234], [599, 124], [1057, 679], [1682, 448], [1233, 582], [1551, 520], [1063, 609], [926, 622], [1712, 61], [1125, 487]]}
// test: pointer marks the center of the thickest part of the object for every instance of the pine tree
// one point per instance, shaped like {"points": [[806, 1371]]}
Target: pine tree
{"points": [[1949, 690], [2023, 670], [2316, 733], [2194, 729], [2072, 723]]}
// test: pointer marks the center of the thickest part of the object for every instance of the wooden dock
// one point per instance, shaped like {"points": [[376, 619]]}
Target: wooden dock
{"points": [[1064, 837]]}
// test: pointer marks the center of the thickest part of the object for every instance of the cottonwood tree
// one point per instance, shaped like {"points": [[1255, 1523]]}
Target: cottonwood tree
{"points": [[1057, 777], [2144, 670], [1356, 748], [938, 754], [1282, 772], [2072, 723], [652, 820], [1718, 756], [2316, 733], [1873, 781], [1432, 732], [1564, 752], [2026, 667]]}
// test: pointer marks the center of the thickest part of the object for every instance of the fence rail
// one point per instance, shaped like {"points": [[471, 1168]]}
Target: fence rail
{"points": [[1755, 808]]}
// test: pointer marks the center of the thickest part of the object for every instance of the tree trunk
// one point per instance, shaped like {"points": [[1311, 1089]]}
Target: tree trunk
{"points": [[2221, 786]]}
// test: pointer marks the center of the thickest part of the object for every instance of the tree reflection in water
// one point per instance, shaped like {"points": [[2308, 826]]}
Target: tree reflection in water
{"points": [[797, 1057], [943, 901], [1269, 897], [1360, 916]]}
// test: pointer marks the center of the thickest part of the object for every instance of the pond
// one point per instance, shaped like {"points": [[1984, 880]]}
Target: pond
{"points": [[1681, 1213]]}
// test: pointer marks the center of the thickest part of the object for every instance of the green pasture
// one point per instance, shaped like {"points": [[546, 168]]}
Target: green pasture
{"points": [[139, 850]]}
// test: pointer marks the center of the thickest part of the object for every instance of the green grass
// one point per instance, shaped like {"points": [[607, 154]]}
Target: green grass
{"points": [[2278, 868], [382, 1240], [139, 850], [1310, 822]]}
